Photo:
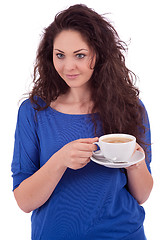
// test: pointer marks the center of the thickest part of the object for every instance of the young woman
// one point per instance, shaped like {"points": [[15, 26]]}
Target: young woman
{"points": [[82, 90]]}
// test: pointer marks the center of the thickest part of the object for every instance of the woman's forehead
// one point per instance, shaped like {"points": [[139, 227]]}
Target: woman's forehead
{"points": [[70, 39]]}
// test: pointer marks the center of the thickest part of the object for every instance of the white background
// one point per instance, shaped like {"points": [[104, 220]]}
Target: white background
{"points": [[21, 23]]}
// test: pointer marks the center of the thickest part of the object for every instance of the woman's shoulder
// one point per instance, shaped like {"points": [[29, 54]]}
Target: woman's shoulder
{"points": [[28, 105], [26, 112], [143, 107], [144, 112], [27, 109], [141, 103]]}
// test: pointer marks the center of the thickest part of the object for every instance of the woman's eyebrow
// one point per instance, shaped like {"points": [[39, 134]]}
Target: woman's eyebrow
{"points": [[59, 50], [82, 49]]}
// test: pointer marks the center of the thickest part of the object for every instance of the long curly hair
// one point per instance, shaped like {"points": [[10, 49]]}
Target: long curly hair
{"points": [[113, 90]]}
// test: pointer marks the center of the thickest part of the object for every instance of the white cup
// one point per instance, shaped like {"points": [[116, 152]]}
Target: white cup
{"points": [[116, 151]]}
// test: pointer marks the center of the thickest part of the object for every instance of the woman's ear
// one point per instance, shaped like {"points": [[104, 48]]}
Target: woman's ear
{"points": [[93, 61]]}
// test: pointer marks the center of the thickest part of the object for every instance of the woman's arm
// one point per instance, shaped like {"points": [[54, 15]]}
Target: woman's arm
{"points": [[34, 191], [140, 181]]}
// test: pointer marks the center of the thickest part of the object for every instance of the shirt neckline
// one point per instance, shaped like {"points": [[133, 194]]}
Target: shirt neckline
{"points": [[72, 115]]}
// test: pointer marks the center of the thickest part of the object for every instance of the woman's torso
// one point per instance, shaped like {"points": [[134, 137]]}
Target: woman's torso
{"points": [[89, 203]]}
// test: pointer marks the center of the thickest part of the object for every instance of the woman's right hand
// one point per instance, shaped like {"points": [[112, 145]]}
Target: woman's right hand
{"points": [[76, 154]]}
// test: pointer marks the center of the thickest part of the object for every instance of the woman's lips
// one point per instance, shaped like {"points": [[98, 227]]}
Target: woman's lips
{"points": [[72, 76]]}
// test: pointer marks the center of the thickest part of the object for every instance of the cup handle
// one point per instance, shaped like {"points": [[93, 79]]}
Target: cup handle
{"points": [[100, 153], [95, 152]]}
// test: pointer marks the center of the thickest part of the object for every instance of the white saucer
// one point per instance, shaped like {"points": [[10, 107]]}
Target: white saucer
{"points": [[100, 159]]}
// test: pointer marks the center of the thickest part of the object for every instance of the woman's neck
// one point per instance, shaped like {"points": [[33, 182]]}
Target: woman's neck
{"points": [[75, 101], [78, 96]]}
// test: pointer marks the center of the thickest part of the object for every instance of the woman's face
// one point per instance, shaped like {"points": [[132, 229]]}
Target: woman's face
{"points": [[73, 59]]}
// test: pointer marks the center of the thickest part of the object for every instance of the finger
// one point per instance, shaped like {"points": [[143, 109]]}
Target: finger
{"points": [[80, 164], [85, 154], [87, 147], [138, 148], [88, 140], [86, 162]]}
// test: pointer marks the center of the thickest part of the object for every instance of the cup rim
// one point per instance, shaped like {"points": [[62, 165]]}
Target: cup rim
{"points": [[116, 135]]}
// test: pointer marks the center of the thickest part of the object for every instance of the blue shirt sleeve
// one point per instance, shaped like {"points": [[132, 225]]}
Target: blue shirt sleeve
{"points": [[147, 138], [26, 147]]}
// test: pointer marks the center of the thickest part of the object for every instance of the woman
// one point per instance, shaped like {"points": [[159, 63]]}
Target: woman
{"points": [[82, 90]]}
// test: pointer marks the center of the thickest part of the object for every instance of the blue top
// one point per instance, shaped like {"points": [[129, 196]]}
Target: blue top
{"points": [[91, 203]]}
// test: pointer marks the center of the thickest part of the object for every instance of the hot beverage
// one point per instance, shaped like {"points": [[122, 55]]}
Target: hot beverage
{"points": [[117, 140], [116, 147]]}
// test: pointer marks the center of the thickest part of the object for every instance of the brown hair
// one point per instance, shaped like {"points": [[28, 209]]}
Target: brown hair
{"points": [[112, 83]]}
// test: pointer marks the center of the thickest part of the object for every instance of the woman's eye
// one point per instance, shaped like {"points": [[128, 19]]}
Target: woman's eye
{"points": [[60, 55], [80, 56]]}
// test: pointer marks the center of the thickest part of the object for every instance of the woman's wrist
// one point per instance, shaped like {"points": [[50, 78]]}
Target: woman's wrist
{"points": [[136, 166], [57, 161]]}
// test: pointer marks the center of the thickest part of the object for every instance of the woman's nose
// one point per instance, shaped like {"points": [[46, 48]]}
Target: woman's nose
{"points": [[70, 64]]}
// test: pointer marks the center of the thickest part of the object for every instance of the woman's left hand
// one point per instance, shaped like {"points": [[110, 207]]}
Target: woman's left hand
{"points": [[137, 148], [140, 181]]}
